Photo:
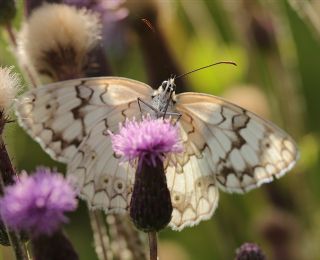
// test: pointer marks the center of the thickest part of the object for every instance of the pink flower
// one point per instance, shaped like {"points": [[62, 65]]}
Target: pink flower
{"points": [[151, 137], [37, 203]]}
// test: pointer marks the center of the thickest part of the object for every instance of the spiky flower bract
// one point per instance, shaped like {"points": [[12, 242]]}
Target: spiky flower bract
{"points": [[37, 203], [112, 14]]}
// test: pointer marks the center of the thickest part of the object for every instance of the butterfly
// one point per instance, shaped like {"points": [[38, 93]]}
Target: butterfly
{"points": [[225, 146]]}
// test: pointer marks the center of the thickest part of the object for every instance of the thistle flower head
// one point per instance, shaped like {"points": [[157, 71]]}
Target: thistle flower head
{"points": [[110, 11], [9, 86], [150, 137], [37, 203], [57, 39], [149, 141], [250, 251]]}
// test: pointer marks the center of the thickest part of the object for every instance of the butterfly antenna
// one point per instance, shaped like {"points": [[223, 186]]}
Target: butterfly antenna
{"points": [[210, 65], [148, 24]]}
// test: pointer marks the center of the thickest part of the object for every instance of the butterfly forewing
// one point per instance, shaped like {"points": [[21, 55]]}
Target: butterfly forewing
{"points": [[60, 115], [246, 151]]}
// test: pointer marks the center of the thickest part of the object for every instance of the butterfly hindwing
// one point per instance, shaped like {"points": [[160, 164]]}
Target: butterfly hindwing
{"points": [[246, 151], [103, 180], [194, 192]]}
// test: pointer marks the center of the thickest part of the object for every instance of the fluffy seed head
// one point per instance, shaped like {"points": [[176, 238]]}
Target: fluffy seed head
{"points": [[37, 203], [152, 137], [9, 86], [57, 38]]}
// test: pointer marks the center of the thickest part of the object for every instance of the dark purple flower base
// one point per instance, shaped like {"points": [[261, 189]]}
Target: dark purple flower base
{"points": [[150, 206], [54, 247]]}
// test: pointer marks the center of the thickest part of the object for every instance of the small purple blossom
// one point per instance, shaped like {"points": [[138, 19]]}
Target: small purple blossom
{"points": [[249, 251], [152, 137], [112, 14], [110, 11], [37, 203]]}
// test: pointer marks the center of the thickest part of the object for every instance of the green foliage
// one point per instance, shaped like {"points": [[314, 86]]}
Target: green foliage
{"points": [[289, 78]]}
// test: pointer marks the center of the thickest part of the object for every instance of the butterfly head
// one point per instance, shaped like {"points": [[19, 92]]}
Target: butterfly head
{"points": [[164, 97], [167, 88]]}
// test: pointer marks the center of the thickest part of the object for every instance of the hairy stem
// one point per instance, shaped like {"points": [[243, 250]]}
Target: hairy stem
{"points": [[25, 68]]}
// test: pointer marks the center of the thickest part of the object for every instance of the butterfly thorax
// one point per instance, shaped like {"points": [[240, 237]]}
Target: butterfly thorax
{"points": [[163, 98]]}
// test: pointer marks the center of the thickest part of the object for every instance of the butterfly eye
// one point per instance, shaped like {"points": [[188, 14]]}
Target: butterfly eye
{"points": [[164, 84]]}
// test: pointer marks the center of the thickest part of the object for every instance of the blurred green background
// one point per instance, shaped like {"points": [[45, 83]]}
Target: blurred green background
{"points": [[276, 45]]}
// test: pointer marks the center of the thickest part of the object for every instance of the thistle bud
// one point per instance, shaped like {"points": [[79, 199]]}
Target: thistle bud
{"points": [[250, 251]]}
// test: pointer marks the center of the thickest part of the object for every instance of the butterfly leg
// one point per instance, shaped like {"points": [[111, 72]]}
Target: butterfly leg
{"points": [[158, 113], [173, 114], [140, 101]]}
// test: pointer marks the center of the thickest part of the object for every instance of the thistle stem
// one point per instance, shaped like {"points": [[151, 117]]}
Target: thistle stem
{"points": [[11, 35], [13, 41], [7, 174], [153, 245], [6, 168]]}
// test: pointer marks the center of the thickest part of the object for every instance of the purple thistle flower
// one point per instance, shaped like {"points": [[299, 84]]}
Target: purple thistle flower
{"points": [[112, 14], [148, 141], [249, 251], [150, 137], [37, 203]]}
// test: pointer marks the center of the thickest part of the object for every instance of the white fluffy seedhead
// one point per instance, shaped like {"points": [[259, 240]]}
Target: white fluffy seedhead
{"points": [[9, 86], [57, 38]]}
